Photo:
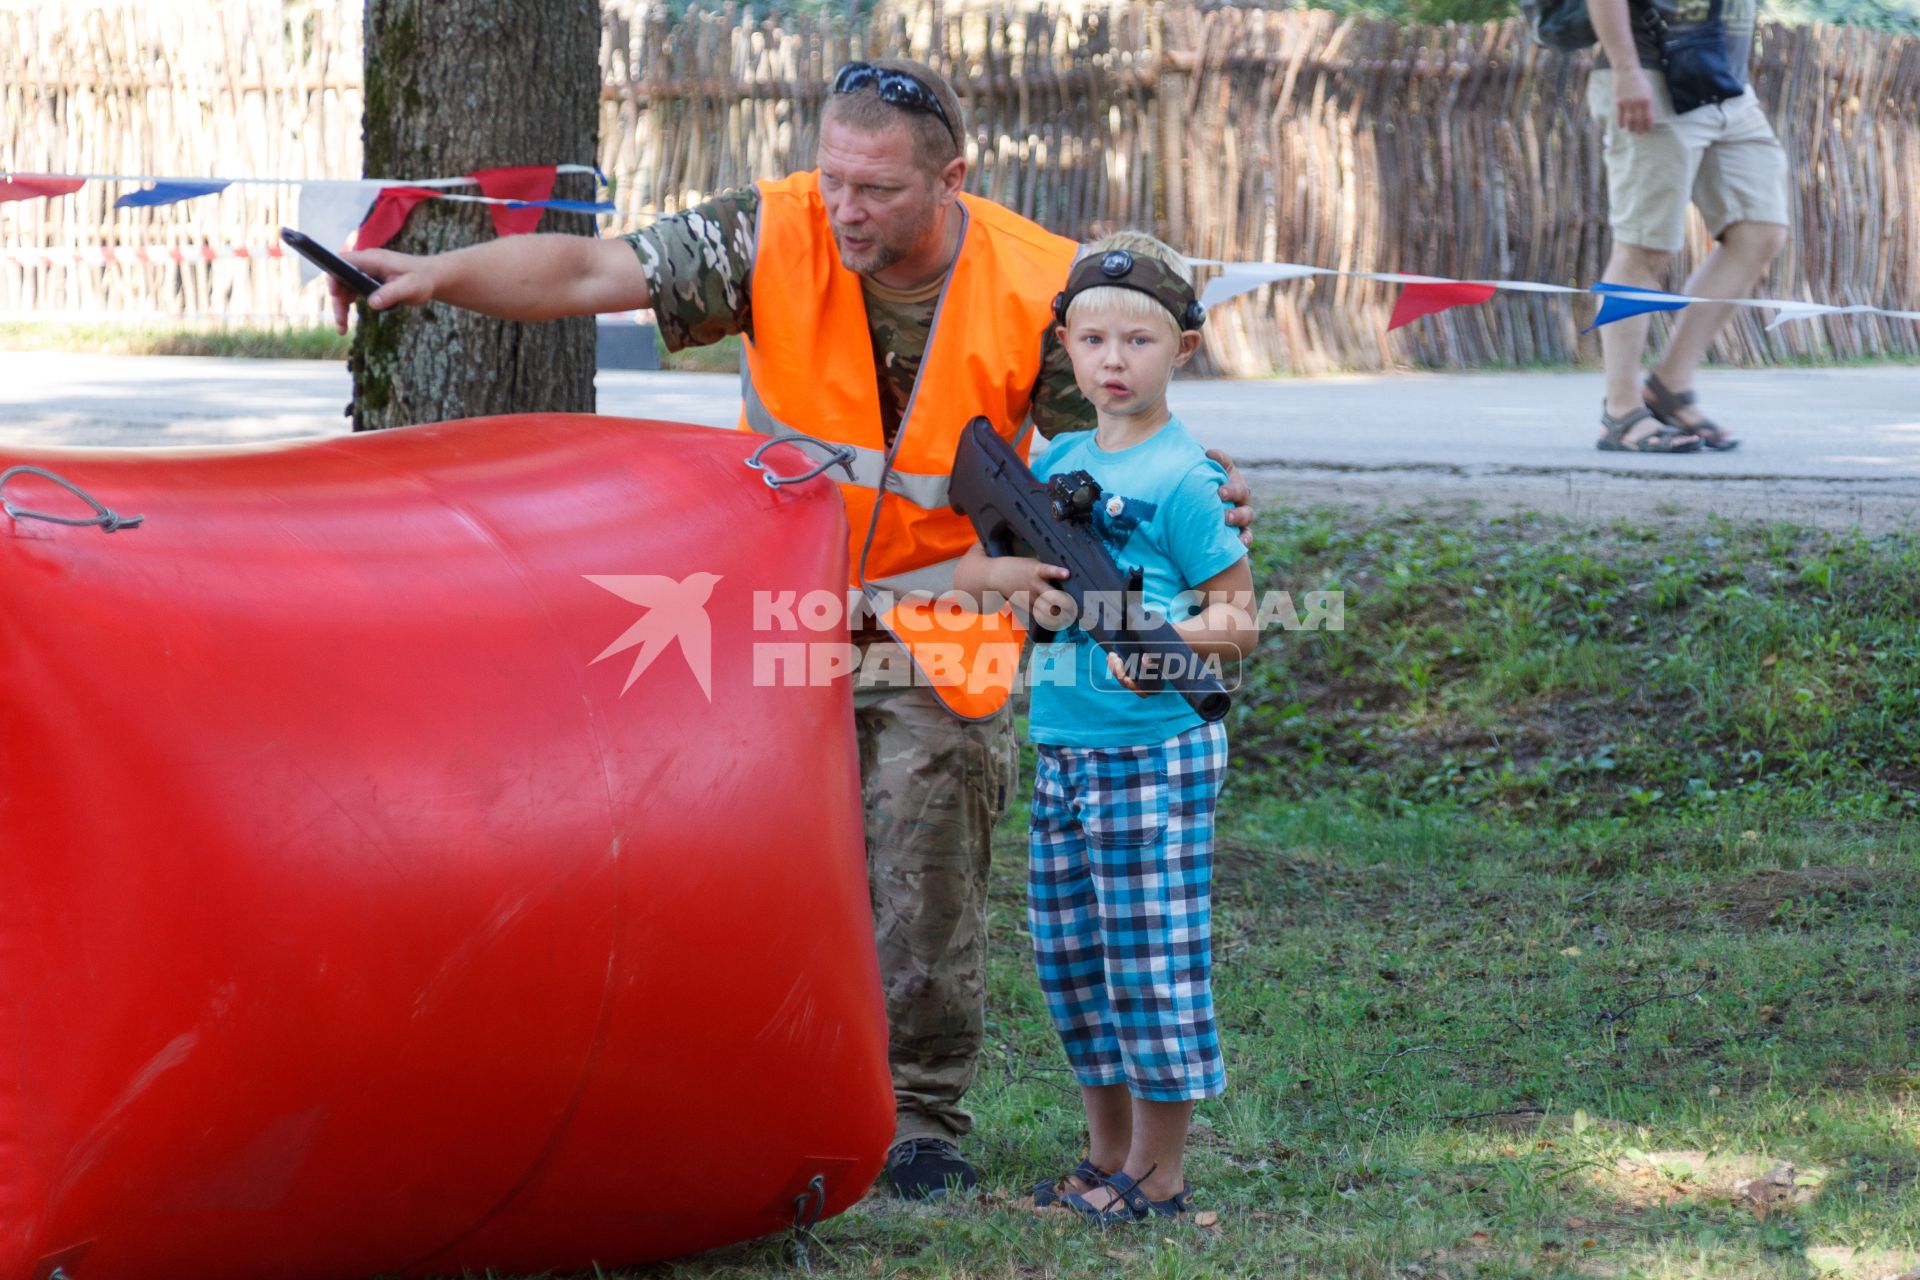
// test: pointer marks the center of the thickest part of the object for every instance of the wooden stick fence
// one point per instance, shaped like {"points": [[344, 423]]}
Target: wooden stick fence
{"points": [[1236, 133]]}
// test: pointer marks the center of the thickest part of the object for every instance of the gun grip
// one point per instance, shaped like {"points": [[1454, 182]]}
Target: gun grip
{"points": [[1134, 598]]}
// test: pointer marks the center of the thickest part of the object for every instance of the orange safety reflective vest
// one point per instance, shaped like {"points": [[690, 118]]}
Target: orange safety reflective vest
{"points": [[810, 371]]}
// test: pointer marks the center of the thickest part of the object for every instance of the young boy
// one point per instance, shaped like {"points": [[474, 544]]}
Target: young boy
{"points": [[1122, 828]]}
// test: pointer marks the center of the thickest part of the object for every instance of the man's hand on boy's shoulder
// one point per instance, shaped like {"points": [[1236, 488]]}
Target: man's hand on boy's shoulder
{"points": [[1236, 491]]}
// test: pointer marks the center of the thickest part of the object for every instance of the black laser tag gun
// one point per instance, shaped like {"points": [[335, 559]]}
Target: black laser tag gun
{"points": [[1015, 514]]}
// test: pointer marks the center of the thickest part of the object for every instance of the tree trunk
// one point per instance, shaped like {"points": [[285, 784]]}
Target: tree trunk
{"points": [[453, 86]]}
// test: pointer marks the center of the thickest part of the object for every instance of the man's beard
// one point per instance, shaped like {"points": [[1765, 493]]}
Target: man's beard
{"points": [[881, 254], [876, 258]]}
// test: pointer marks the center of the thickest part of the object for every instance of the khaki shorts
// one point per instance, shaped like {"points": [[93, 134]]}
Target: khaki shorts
{"points": [[1724, 157]]}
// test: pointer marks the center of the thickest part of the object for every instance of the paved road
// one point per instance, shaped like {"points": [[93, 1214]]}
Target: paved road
{"points": [[1830, 446]]}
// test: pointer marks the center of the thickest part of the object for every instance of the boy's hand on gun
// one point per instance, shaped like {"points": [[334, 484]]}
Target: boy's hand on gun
{"points": [[1028, 585], [1118, 670]]}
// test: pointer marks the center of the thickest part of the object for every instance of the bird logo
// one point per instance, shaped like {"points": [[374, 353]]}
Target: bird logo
{"points": [[676, 609]]}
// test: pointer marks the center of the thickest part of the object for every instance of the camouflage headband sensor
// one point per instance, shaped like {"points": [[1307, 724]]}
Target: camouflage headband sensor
{"points": [[1119, 269]]}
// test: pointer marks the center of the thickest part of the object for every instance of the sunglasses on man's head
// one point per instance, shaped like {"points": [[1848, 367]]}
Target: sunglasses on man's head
{"points": [[896, 88]]}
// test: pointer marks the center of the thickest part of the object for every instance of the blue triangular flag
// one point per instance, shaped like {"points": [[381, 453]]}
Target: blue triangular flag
{"points": [[565, 206], [1612, 308], [168, 193]]}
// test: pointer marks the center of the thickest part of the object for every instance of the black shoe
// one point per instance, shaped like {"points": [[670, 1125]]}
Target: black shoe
{"points": [[928, 1168]]}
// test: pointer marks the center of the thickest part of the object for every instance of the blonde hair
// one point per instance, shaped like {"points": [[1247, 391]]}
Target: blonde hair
{"points": [[1130, 303]]}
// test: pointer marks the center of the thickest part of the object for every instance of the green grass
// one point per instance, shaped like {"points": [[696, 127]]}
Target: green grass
{"points": [[299, 342], [1536, 670], [1464, 1050], [303, 342], [1492, 1007]]}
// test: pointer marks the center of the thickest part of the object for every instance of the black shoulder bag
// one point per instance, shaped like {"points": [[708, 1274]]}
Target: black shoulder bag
{"points": [[1698, 74]]}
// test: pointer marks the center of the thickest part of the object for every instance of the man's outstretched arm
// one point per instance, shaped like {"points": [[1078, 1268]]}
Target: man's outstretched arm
{"points": [[532, 277]]}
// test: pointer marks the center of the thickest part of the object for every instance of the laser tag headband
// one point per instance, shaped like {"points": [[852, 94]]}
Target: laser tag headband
{"points": [[1119, 269]]}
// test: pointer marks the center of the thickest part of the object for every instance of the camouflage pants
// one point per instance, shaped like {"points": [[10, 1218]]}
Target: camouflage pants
{"points": [[933, 785]]}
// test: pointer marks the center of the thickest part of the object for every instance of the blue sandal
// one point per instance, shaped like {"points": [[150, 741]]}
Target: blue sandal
{"points": [[1048, 1194], [1132, 1204]]}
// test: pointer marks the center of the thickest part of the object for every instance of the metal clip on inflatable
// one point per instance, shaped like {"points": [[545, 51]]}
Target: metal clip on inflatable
{"points": [[405, 870]]}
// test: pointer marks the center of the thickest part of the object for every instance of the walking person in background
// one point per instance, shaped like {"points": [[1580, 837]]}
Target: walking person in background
{"points": [[1682, 124]]}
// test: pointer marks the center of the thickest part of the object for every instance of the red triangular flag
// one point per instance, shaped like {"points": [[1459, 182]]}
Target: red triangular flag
{"points": [[1418, 300], [390, 210], [26, 186], [522, 182]]}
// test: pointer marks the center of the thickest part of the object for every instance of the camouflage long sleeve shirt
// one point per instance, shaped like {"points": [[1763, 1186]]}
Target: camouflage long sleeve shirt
{"points": [[699, 264]]}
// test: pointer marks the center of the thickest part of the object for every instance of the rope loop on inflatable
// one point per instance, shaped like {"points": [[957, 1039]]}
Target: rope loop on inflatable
{"points": [[839, 455], [808, 1207], [108, 520]]}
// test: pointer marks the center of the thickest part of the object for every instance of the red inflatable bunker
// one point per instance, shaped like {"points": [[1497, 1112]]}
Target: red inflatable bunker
{"points": [[404, 870]]}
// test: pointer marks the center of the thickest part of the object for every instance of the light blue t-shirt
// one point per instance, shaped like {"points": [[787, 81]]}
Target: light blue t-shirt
{"points": [[1159, 511]]}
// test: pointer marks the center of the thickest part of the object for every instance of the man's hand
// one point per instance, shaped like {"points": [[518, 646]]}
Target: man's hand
{"points": [[405, 280], [1235, 490], [1633, 98], [526, 278]]}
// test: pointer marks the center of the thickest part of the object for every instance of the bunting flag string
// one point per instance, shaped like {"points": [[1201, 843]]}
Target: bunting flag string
{"points": [[1428, 295], [521, 187], [332, 210], [23, 186]]}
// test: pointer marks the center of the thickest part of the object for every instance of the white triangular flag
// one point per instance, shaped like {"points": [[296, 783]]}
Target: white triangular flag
{"points": [[1236, 278], [330, 212]]}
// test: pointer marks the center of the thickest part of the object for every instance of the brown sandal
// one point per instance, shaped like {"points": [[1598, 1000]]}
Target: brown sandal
{"points": [[1666, 405], [1668, 439]]}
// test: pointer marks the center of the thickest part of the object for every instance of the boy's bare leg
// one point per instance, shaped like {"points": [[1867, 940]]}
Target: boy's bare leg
{"points": [[1155, 1157], [1159, 1144], [1109, 1128]]}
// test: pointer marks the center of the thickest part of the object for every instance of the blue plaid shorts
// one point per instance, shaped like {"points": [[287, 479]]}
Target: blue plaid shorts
{"points": [[1120, 905]]}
